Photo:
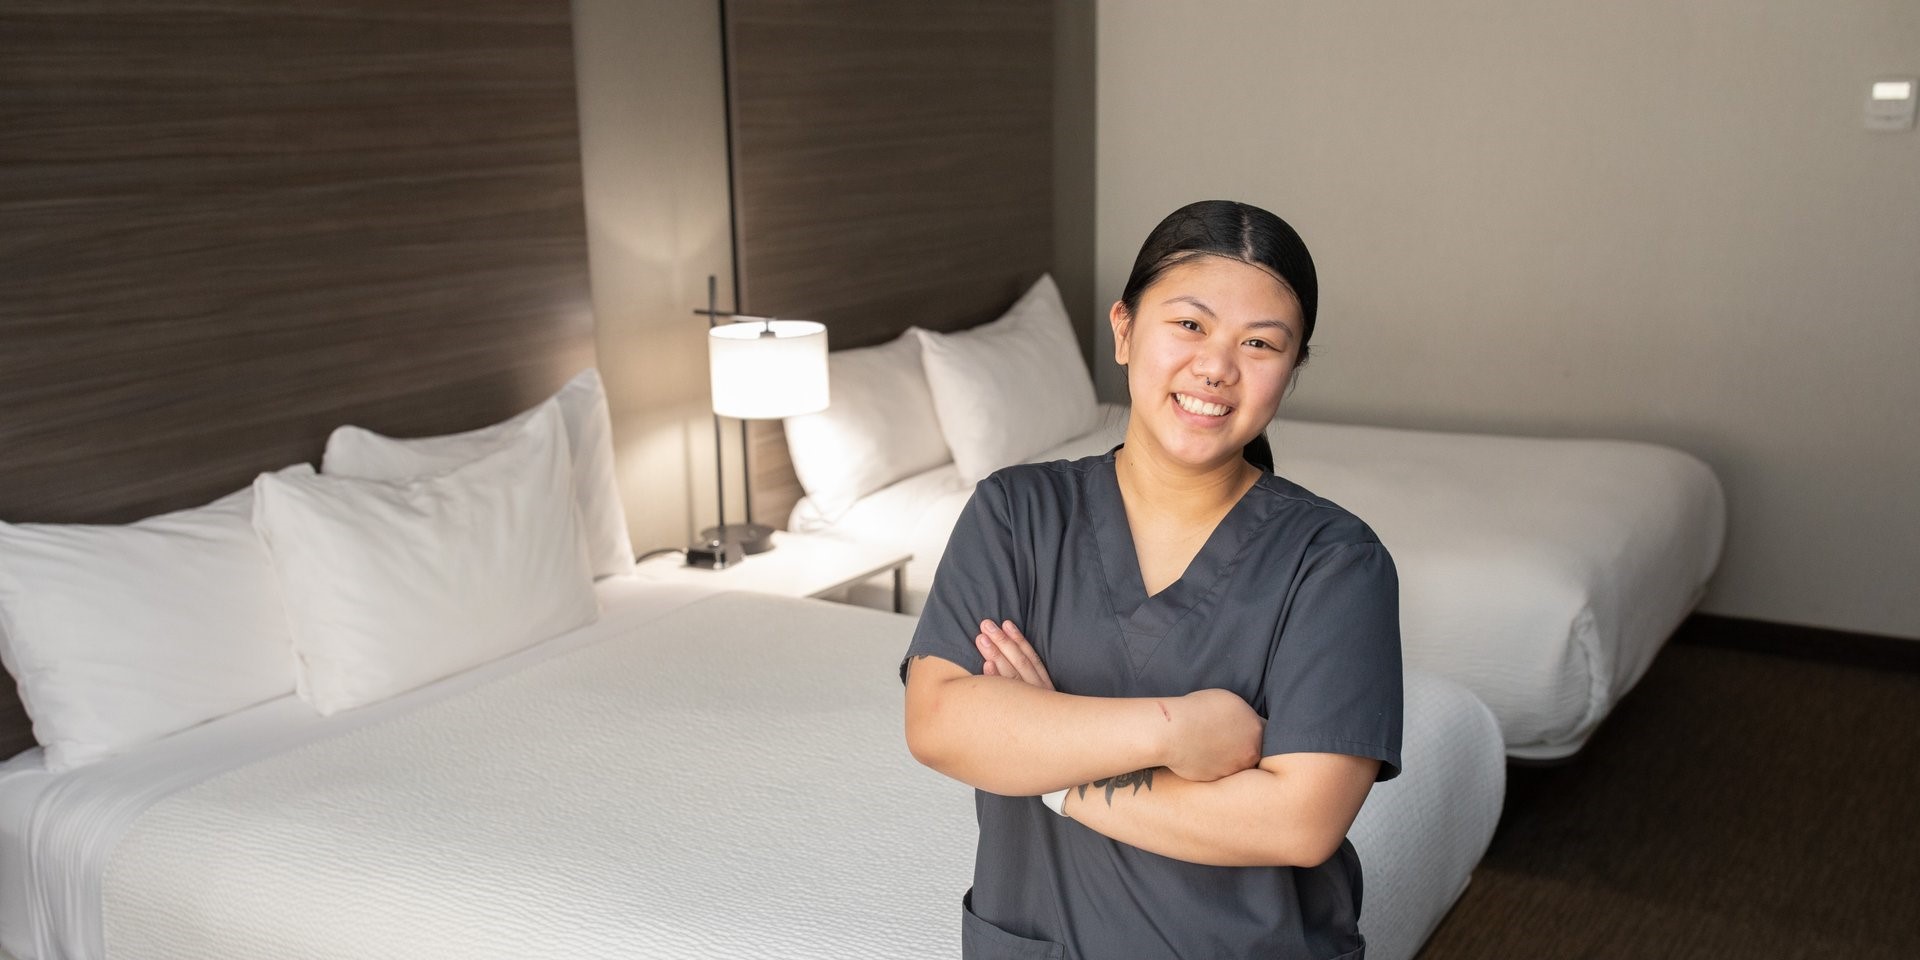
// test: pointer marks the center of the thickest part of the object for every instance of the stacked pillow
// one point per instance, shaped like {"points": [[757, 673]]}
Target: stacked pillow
{"points": [[118, 635], [881, 426], [406, 561], [355, 452], [985, 398], [1010, 389], [393, 585]]}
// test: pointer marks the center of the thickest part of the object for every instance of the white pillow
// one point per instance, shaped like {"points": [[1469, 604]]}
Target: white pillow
{"points": [[118, 635], [880, 428], [1007, 390], [392, 585], [357, 452]]}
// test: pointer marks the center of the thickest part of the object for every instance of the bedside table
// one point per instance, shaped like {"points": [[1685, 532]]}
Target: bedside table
{"points": [[799, 565]]}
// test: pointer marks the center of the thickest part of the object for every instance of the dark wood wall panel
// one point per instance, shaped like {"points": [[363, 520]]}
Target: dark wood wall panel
{"points": [[893, 166], [227, 228]]}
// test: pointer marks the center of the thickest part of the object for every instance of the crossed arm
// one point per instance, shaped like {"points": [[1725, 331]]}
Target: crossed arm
{"points": [[1179, 776]]}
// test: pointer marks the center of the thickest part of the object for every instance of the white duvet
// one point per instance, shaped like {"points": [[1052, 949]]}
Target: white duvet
{"points": [[727, 779], [1542, 574]]}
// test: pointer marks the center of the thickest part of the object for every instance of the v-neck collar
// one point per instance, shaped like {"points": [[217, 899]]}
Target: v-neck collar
{"points": [[1145, 621]]}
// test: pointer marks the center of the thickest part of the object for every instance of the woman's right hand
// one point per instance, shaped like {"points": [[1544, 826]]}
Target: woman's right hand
{"points": [[1214, 734]]}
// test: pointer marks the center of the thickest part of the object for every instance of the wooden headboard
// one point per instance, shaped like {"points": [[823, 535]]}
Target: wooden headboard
{"points": [[892, 167], [226, 229]]}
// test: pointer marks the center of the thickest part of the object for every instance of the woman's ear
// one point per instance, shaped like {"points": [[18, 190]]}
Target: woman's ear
{"points": [[1122, 331]]}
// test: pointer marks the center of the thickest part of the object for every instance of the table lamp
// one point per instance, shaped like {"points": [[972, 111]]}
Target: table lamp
{"points": [[761, 368]]}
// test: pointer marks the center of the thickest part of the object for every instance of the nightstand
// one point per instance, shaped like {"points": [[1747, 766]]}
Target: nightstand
{"points": [[799, 565]]}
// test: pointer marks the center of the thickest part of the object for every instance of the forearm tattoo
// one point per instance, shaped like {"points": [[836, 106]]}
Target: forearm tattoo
{"points": [[1136, 780]]}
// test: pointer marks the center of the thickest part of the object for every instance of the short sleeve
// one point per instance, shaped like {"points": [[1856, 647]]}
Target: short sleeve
{"points": [[1334, 680], [977, 580]]}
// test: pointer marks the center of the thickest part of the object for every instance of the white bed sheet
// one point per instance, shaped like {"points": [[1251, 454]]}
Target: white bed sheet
{"points": [[64, 826], [1542, 574], [230, 839]]}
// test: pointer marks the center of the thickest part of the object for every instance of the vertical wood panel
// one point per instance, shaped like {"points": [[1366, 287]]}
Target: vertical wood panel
{"points": [[230, 227], [893, 167]]}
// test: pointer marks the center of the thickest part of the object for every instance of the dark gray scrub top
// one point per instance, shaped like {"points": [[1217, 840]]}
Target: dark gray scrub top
{"points": [[1292, 603]]}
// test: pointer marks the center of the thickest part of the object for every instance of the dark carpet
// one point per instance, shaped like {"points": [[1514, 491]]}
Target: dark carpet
{"points": [[1737, 804]]}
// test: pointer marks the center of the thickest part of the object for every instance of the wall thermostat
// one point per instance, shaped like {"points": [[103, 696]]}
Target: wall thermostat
{"points": [[1890, 104]]}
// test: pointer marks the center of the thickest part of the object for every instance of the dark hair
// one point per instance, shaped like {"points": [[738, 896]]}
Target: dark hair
{"points": [[1224, 228]]}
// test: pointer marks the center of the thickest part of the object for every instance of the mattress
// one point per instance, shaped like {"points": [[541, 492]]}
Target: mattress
{"points": [[678, 780], [1544, 575]]}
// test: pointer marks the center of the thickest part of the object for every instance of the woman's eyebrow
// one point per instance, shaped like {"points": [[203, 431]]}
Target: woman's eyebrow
{"points": [[1274, 324], [1185, 298]]}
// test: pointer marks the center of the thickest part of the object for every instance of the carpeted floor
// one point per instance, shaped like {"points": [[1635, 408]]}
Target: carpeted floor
{"points": [[1735, 805]]}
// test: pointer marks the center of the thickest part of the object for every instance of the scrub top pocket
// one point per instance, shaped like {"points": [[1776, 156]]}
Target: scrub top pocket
{"points": [[980, 940]]}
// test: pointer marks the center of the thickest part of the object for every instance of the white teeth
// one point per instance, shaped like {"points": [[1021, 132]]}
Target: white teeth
{"points": [[1191, 405]]}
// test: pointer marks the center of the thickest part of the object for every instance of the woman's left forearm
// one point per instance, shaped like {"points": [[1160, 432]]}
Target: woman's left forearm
{"points": [[1290, 811]]}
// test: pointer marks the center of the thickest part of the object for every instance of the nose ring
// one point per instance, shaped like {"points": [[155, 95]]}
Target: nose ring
{"points": [[1211, 383]]}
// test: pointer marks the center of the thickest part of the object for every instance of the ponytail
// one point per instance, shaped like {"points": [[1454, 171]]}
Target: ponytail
{"points": [[1259, 452]]}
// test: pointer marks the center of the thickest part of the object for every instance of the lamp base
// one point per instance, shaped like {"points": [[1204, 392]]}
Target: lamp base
{"points": [[751, 538], [713, 554]]}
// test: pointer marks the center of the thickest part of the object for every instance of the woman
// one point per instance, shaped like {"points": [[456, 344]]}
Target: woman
{"points": [[1171, 675]]}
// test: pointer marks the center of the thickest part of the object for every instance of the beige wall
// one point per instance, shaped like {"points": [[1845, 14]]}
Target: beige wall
{"points": [[1646, 219], [653, 145]]}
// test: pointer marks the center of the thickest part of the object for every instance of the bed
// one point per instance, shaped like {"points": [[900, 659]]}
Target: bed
{"points": [[1543, 575], [616, 791]]}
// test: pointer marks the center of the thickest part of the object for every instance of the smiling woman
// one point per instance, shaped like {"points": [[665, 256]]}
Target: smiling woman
{"points": [[1213, 249], [1183, 663]]}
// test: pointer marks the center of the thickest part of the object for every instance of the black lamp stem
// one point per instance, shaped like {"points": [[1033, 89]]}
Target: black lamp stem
{"points": [[746, 476], [719, 470]]}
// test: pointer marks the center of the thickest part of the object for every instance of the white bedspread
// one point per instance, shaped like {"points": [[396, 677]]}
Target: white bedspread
{"points": [[1421, 833], [729, 779], [1542, 574]]}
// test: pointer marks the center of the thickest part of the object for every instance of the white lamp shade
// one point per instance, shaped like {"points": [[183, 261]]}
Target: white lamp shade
{"points": [[766, 370]]}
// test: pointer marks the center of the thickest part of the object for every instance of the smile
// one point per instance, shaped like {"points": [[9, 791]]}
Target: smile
{"points": [[1201, 407]]}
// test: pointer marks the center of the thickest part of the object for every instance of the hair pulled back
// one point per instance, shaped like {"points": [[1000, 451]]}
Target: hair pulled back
{"points": [[1240, 231]]}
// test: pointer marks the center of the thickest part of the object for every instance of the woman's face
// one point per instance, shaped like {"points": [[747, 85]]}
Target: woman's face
{"points": [[1209, 320]]}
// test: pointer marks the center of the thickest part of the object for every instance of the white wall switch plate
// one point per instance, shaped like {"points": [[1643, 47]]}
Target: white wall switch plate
{"points": [[1890, 102]]}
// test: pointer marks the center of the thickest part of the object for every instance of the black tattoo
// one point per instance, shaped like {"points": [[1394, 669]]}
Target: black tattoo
{"points": [[1136, 780]]}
